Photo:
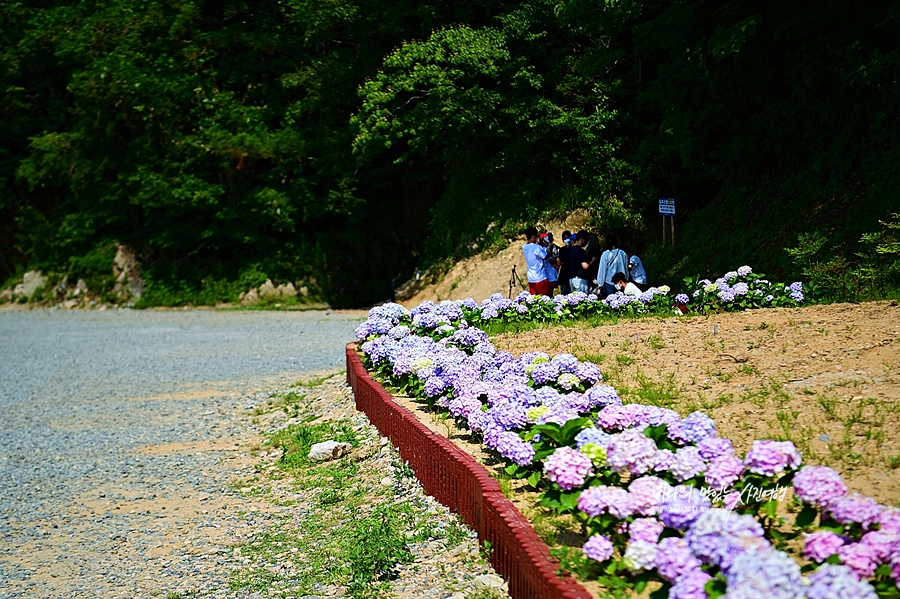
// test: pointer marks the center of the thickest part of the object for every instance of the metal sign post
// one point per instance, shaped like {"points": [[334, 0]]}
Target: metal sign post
{"points": [[667, 208]]}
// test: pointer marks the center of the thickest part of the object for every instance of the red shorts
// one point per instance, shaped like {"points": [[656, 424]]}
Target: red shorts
{"points": [[540, 288]]}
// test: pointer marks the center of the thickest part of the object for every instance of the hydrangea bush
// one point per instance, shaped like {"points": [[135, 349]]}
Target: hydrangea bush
{"points": [[659, 496], [737, 290]]}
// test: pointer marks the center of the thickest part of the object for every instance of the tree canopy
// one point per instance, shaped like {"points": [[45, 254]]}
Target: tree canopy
{"points": [[351, 141]]}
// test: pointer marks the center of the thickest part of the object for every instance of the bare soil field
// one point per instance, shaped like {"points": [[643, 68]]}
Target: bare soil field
{"points": [[825, 377]]}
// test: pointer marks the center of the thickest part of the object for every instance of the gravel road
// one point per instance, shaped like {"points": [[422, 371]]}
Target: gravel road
{"points": [[120, 434]]}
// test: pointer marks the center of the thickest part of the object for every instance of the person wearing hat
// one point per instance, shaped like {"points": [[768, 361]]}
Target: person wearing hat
{"points": [[563, 257], [535, 257], [579, 264]]}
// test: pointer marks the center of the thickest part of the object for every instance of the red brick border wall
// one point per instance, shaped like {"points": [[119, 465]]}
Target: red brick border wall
{"points": [[455, 479]]}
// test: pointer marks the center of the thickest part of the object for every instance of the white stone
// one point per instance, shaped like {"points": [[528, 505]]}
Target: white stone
{"points": [[287, 290], [489, 581], [32, 280], [251, 297], [268, 289], [328, 450]]}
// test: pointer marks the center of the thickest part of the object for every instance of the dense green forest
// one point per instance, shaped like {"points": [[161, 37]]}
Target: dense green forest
{"points": [[349, 142]]}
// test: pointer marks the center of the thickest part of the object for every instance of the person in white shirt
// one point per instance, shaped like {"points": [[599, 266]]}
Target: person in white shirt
{"points": [[623, 285], [612, 261], [551, 262], [535, 256], [638, 274]]}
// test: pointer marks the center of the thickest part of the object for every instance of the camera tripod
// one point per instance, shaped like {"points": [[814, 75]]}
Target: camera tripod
{"points": [[514, 280]]}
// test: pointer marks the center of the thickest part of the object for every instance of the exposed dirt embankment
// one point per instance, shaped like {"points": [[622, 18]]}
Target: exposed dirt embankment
{"points": [[825, 377], [489, 272]]}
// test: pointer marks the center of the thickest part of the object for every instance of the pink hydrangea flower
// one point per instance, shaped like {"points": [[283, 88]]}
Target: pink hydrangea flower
{"points": [[882, 543], [769, 458], [861, 558], [855, 509], [646, 529], [599, 500], [723, 472], [646, 494], [821, 545], [631, 451], [598, 548], [568, 468], [818, 485]]}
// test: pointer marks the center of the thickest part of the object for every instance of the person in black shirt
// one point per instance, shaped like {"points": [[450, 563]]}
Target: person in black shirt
{"points": [[563, 257], [580, 264]]}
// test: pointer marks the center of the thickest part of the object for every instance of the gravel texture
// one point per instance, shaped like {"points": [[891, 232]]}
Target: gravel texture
{"points": [[126, 438], [120, 432]]}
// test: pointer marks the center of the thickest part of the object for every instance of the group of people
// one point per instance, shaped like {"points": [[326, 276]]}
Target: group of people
{"points": [[580, 266]]}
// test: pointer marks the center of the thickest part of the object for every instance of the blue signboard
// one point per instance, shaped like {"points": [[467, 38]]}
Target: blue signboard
{"points": [[667, 206]]}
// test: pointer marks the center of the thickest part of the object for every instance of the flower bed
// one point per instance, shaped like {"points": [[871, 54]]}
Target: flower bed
{"points": [[659, 497], [736, 290]]}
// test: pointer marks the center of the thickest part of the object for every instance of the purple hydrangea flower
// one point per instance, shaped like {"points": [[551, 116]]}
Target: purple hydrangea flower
{"points": [[640, 555], [889, 519], [821, 545], [882, 542], [682, 299], [715, 447], [741, 288], [567, 468], [696, 427], [732, 500], [663, 460], [565, 362], [719, 536], [743, 271], [690, 586], [675, 559], [601, 396], [769, 458], [726, 296], [508, 415], [859, 557], [687, 464], [434, 386], [765, 573], [631, 451], [524, 396], [590, 373], [598, 548], [681, 506], [545, 374], [723, 472], [599, 500], [855, 508], [363, 330], [559, 414], [818, 485], [513, 448], [615, 417], [831, 581], [646, 494], [645, 529]]}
